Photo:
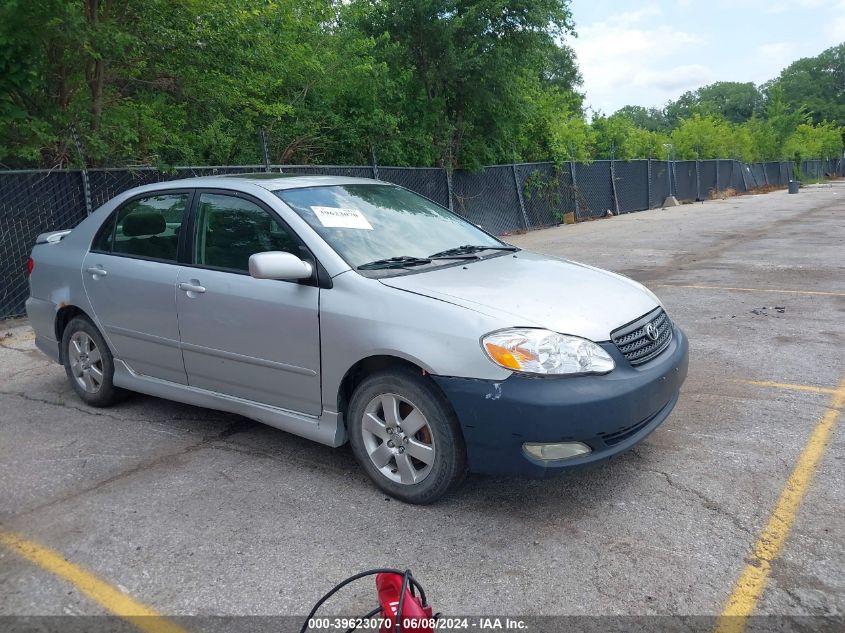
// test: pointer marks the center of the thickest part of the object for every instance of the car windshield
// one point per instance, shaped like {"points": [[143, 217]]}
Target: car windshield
{"points": [[386, 227]]}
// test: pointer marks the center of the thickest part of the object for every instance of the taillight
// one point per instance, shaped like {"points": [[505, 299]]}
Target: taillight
{"points": [[30, 264]]}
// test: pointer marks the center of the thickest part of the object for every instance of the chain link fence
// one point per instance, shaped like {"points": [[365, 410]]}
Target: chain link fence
{"points": [[502, 199]]}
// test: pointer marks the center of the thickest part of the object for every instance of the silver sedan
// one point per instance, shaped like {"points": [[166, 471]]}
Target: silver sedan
{"points": [[346, 309]]}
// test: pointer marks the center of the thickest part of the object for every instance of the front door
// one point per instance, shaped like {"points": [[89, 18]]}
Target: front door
{"points": [[130, 277], [257, 339]]}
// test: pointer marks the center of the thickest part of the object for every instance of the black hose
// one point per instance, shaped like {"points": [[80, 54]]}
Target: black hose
{"points": [[397, 624], [407, 579]]}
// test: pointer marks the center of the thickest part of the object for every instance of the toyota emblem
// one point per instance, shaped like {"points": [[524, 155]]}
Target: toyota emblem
{"points": [[652, 331]]}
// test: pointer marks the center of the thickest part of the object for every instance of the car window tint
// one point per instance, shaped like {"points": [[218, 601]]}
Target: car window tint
{"points": [[230, 229], [103, 240], [149, 227]]}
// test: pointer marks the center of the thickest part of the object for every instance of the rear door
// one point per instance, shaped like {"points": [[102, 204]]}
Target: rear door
{"points": [[257, 339], [130, 278]]}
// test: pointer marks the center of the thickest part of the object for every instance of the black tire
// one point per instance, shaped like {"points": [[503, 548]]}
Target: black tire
{"points": [[443, 432], [106, 393]]}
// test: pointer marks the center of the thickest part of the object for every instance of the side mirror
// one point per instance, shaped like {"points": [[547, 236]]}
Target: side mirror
{"points": [[278, 265]]}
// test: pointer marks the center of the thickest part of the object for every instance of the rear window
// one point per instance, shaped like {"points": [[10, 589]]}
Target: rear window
{"points": [[149, 227]]}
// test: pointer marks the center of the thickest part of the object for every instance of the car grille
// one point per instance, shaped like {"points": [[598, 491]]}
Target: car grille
{"points": [[634, 341]]}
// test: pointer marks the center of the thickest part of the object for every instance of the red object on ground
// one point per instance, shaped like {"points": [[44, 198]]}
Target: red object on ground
{"points": [[415, 617]]}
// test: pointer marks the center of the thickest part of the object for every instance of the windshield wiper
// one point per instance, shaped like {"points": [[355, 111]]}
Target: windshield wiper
{"points": [[468, 249], [395, 262]]}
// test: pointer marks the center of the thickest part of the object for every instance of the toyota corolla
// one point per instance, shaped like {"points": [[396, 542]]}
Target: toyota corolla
{"points": [[347, 309]]}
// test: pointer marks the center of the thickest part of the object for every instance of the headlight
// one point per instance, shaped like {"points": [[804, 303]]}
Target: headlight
{"points": [[535, 351]]}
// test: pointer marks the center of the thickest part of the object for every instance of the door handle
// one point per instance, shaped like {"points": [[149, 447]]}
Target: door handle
{"points": [[97, 272], [191, 288]]}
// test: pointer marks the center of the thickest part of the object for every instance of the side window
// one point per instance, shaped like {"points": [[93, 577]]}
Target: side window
{"points": [[103, 239], [149, 227], [230, 229]]}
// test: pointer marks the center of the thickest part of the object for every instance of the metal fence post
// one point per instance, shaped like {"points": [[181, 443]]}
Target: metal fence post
{"points": [[265, 150], [519, 196], [743, 168], [86, 186], [648, 182], [717, 174], [375, 162], [613, 186], [448, 172], [697, 179], [574, 189]]}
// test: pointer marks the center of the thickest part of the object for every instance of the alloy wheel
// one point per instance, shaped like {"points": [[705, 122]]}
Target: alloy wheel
{"points": [[398, 438], [86, 362]]}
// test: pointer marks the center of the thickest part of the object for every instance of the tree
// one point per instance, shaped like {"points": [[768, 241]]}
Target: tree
{"points": [[643, 143], [816, 84], [408, 82], [610, 136], [711, 136], [54, 72], [475, 71], [736, 102], [814, 141], [652, 119]]}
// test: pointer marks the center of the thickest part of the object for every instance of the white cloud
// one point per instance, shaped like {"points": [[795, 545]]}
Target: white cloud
{"points": [[650, 51], [775, 49], [836, 25], [769, 59], [628, 58], [676, 79]]}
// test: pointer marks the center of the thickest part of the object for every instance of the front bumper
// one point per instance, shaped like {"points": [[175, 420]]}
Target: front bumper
{"points": [[609, 413]]}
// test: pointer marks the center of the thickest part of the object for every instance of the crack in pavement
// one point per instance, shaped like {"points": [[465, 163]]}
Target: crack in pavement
{"points": [[288, 457], [129, 472], [64, 405], [153, 421], [706, 501]]}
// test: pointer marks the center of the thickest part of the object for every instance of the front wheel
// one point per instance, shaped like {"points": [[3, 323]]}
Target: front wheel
{"points": [[406, 437]]}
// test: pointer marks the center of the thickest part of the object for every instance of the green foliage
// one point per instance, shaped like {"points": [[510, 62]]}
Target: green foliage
{"points": [[651, 119], [820, 141], [642, 143], [450, 82], [815, 84], [457, 83], [570, 138], [783, 120], [711, 136], [733, 101], [480, 76], [619, 137]]}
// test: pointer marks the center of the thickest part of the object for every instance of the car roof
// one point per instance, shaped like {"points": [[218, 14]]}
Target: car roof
{"points": [[269, 181]]}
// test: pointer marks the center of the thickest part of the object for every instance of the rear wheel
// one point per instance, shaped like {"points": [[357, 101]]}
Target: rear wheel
{"points": [[406, 437], [89, 364]]}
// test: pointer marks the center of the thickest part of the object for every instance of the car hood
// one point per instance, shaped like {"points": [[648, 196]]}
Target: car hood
{"points": [[529, 289]]}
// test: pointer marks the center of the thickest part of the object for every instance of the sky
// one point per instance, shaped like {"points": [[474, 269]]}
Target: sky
{"points": [[649, 52]]}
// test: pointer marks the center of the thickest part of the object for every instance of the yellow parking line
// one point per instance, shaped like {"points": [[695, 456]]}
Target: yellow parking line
{"points": [[101, 592], [776, 290], [785, 385], [755, 575]]}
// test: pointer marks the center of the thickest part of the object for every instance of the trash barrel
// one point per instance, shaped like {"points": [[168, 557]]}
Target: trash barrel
{"points": [[793, 186]]}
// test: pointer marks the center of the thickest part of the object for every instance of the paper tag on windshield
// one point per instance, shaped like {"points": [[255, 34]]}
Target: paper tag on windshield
{"points": [[337, 217]]}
